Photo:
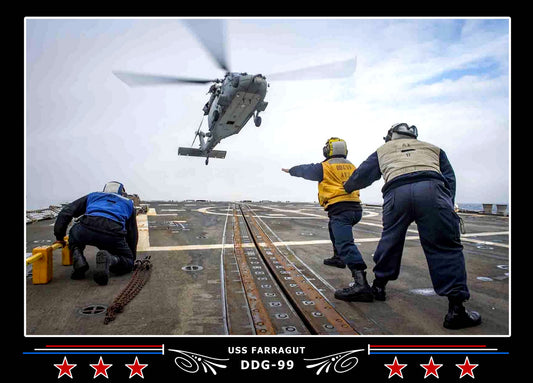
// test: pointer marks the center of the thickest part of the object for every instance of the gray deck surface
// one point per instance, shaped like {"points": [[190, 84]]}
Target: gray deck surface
{"points": [[176, 301]]}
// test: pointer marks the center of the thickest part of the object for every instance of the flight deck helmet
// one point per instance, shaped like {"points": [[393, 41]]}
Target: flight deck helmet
{"points": [[114, 187], [401, 128], [335, 147]]}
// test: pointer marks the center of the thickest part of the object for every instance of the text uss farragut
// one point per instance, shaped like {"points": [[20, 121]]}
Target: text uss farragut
{"points": [[266, 350]]}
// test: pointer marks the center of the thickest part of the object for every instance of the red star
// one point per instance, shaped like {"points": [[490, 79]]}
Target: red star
{"points": [[136, 368], [466, 368], [431, 368], [395, 368], [64, 368], [100, 368]]}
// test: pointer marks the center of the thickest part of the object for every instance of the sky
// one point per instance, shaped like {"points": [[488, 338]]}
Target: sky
{"points": [[84, 127]]}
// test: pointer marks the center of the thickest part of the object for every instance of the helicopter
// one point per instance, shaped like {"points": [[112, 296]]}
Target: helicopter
{"points": [[235, 98]]}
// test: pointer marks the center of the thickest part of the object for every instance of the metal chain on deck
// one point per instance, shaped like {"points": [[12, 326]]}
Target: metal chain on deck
{"points": [[141, 272]]}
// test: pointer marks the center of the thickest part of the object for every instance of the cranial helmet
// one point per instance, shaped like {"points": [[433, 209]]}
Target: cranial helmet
{"points": [[335, 147], [114, 187], [401, 128]]}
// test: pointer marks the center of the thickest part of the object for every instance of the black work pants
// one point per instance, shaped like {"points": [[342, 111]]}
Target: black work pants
{"points": [[81, 235], [429, 204]]}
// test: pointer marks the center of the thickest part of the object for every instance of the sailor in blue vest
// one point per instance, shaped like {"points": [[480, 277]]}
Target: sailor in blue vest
{"points": [[106, 220], [419, 187]]}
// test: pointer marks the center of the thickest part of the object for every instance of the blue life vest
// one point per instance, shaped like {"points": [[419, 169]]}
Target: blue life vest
{"points": [[109, 205]]}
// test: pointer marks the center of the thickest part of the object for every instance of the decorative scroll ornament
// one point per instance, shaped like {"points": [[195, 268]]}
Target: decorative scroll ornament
{"points": [[191, 362], [342, 362]]}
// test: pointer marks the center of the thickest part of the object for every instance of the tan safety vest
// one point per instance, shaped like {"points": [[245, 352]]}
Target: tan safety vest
{"points": [[331, 189], [407, 155]]}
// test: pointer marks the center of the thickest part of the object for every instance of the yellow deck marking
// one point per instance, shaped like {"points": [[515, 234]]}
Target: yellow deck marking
{"points": [[143, 244], [151, 211]]}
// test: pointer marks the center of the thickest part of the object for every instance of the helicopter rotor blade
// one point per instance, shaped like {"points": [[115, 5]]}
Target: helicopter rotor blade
{"points": [[139, 79], [211, 34], [331, 70]]}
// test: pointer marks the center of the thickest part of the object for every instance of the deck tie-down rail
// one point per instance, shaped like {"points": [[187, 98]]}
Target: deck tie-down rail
{"points": [[319, 316], [42, 261]]}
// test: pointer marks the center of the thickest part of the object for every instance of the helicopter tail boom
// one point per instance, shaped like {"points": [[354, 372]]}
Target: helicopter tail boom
{"points": [[200, 153]]}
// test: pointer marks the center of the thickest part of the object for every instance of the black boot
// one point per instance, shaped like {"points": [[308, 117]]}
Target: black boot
{"points": [[335, 261], [458, 317], [79, 263], [103, 261], [360, 291], [378, 289]]}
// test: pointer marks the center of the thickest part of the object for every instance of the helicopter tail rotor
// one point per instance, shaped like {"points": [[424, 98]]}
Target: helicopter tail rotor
{"points": [[198, 131], [196, 135]]}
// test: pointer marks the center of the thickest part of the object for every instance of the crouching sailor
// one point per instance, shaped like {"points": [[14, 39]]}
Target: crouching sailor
{"points": [[106, 220]]}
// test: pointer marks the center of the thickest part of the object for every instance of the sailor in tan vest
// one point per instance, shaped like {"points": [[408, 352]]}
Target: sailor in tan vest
{"points": [[344, 211], [419, 187]]}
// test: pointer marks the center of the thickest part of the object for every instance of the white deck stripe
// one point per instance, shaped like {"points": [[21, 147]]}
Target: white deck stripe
{"points": [[144, 242], [304, 243]]}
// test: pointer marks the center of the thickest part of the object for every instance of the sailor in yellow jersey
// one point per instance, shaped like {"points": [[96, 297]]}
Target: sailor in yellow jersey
{"points": [[344, 211]]}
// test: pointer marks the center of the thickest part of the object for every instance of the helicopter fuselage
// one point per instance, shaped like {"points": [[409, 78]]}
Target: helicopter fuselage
{"points": [[235, 101]]}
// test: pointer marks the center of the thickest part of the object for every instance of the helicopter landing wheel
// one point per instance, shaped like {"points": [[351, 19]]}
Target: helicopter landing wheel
{"points": [[257, 121], [207, 160]]}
